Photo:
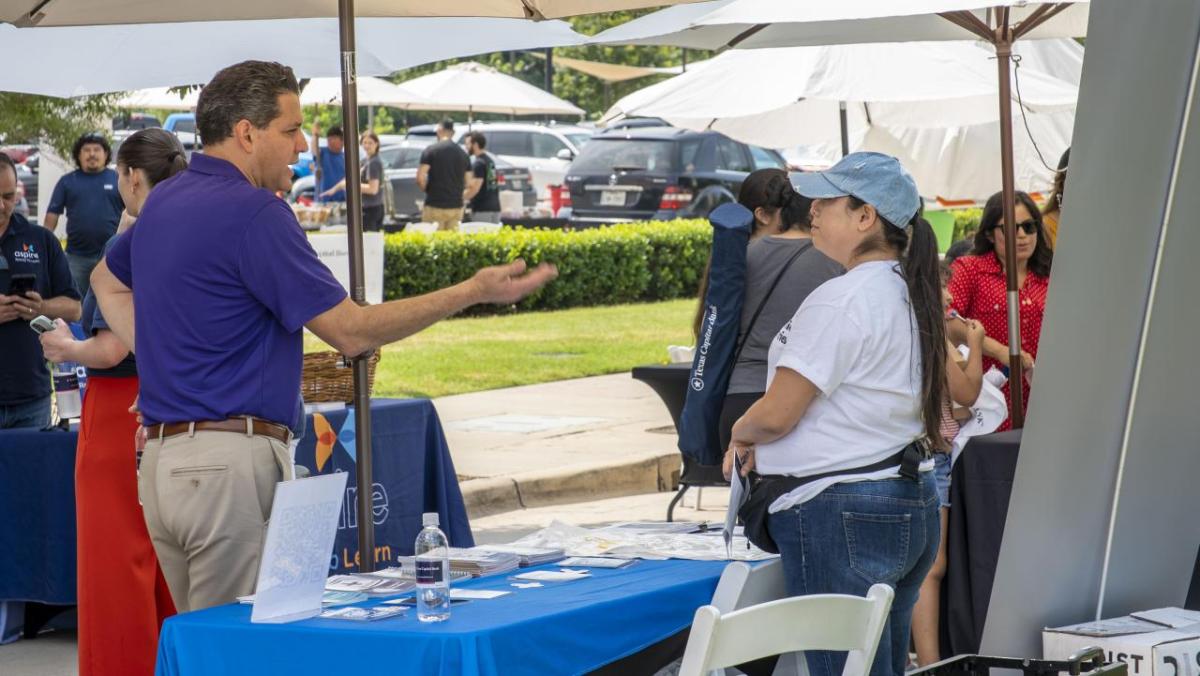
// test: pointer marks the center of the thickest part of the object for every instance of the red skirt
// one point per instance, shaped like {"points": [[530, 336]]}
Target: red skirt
{"points": [[123, 598]]}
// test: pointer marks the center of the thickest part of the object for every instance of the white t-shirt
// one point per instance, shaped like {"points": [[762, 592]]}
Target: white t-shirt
{"points": [[856, 339]]}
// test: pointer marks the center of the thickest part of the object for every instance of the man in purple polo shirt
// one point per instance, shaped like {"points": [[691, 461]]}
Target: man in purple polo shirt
{"points": [[224, 281]]}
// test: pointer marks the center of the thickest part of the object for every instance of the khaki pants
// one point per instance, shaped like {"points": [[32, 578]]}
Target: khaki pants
{"points": [[207, 499], [446, 219]]}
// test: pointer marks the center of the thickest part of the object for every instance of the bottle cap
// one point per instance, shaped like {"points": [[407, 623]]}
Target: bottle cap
{"points": [[429, 519]]}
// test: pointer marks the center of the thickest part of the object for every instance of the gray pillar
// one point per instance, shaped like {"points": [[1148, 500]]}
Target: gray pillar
{"points": [[1103, 513]]}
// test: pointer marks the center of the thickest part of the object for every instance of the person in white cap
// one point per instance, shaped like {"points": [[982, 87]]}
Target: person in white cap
{"points": [[855, 390]]}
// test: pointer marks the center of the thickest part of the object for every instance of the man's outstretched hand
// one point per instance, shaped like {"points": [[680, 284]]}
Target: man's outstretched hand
{"points": [[507, 284]]}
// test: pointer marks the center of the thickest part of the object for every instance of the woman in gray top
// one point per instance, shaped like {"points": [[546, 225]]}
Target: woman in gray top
{"points": [[782, 268]]}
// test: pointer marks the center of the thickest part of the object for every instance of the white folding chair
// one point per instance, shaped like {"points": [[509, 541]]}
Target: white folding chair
{"points": [[743, 585], [478, 227], [422, 228], [819, 622]]}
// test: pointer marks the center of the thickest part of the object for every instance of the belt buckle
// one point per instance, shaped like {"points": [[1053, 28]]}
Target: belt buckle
{"points": [[910, 465]]}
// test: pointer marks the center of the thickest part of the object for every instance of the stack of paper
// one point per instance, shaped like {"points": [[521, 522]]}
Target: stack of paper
{"points": [[372, 585], [407, 571], [477, 561], [529, 556]]}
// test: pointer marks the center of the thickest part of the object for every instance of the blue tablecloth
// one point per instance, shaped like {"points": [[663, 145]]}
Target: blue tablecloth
{"points": [[413, 474], [561, 628]]}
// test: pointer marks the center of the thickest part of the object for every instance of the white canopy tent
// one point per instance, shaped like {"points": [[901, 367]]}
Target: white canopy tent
{"points": [[476, 88], [914, 100], [159, 98]]}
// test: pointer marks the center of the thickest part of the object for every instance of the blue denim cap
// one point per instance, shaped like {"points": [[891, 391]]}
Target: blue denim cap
{"points": [[874, 178]]}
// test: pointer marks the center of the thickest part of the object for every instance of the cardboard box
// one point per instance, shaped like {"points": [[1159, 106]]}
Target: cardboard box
{"points": [[1161, 642]]}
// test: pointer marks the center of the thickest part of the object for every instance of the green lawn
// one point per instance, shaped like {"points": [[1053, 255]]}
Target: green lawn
{"points": [[468, 355]]}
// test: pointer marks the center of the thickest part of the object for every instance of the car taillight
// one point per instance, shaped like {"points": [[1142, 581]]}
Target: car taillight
{"points": [[500, 180], [674, 197]]}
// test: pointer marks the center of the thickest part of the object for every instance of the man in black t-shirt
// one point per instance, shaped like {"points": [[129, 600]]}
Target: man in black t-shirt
{"points": [[31, 260], [443, 175], [483, 193]]}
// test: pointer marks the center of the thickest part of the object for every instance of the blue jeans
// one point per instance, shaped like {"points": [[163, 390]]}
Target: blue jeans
{"points": [[81, 271], [852, 536], [35, 414]]}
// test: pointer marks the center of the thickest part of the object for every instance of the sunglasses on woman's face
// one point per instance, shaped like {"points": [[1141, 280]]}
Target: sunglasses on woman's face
{"points": [[1030, 226]]}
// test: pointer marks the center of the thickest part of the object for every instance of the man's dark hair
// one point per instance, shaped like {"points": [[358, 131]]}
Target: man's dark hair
{"points": [[244, 91], [478, 139], [447, 124], [335, 131], [91, 137], [6, 161]]}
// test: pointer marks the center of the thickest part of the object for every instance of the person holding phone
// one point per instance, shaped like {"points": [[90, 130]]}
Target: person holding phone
{"points": [[123, 596], [35, 279]]}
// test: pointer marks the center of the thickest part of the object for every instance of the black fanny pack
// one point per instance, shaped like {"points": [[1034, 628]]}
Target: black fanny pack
{"points": [[765, 489]]}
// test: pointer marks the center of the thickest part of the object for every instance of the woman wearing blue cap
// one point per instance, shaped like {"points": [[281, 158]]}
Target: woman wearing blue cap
{"points": [[855, 390]]}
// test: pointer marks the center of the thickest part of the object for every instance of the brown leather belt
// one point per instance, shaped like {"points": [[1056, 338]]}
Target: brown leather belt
{"points": [[257, 427]]}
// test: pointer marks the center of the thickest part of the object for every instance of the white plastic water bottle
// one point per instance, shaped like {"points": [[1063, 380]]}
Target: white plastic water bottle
{"points": [[67, 375], [433, 571]]}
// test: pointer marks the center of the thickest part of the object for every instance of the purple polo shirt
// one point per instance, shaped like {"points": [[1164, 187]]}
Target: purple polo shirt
{"points": [[223, 281]]}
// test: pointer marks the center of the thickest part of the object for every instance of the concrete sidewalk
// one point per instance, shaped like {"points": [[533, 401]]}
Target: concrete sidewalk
{"points": [[566, 441]]}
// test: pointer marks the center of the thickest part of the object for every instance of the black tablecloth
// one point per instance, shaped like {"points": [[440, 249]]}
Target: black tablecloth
{"points": [[980, 487]]}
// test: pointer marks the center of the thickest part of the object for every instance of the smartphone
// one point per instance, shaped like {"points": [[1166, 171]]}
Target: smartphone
{"points": [[41, 324], [19, 284]]}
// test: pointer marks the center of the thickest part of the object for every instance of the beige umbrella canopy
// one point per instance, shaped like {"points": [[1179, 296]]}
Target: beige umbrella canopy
{"points": [[95, 12], [26, 13]]}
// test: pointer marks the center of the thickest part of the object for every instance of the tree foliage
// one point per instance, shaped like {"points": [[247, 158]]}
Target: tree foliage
{"points": [[26, 118]]}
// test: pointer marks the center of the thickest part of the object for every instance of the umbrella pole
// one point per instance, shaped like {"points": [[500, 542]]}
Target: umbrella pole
{"points": [[845, 128], [354, 234], [1015, 376]]}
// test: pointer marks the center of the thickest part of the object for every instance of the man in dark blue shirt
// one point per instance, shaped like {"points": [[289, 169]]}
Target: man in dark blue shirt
{"points": [[224, 282], [29, 257], [93, 205], [329, 164]]}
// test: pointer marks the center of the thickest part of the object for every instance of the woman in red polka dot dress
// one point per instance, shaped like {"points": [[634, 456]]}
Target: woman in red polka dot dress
{"points": [[980, 291]]}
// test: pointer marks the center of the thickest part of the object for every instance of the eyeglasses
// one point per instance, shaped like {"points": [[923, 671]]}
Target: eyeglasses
{"points": [[1030, 226]]}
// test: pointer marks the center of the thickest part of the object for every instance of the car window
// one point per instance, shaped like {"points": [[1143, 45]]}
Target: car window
{"points": [[605, 156], [765, 159], [188, 126], [389, 157], [687, 154], [509, 143], [546, 146], [730, 156], [580, 140]]}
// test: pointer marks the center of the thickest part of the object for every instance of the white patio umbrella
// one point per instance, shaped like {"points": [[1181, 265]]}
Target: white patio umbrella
{"points": [[476, 88], [136, 56], [161, 98], [787, 23], [372, 91], [889, 90], [28, 13]]}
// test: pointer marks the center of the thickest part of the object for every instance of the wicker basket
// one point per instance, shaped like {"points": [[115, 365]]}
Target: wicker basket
{"points": [[326, 376]]}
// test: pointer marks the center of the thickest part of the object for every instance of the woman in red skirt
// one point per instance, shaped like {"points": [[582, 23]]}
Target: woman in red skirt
{"points": [[123, 598]]}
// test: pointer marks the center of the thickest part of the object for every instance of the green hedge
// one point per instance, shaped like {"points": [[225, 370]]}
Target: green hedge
{"points": [[601, 266]]}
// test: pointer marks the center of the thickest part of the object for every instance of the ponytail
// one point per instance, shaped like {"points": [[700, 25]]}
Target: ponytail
{"points": [[916, 247], [921, 269]]}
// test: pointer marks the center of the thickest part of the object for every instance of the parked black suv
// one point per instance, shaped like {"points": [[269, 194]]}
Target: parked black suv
{"points": [[660, 173]]}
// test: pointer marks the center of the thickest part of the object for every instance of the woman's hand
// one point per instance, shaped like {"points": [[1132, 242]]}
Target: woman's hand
{"points": [[57, 344], [975, 334], [745, 457]]}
